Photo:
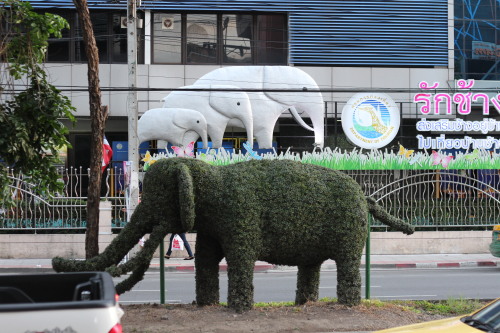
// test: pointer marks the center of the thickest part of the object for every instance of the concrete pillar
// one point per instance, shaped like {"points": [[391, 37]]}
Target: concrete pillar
{"points": [[105, 233], [105, 208]]}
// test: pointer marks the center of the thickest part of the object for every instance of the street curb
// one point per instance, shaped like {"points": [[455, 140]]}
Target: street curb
{"points": [[282, 268], [222, 268], [274, 268], [437, 264]]}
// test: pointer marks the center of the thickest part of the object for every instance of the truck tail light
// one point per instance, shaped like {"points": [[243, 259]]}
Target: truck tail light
{"points": [[116, 329]]}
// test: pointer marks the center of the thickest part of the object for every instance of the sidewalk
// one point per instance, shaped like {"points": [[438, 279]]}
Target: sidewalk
{"points": [[377, 261]]}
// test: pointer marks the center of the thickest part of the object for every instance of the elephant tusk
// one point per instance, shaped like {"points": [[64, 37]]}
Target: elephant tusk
{"points": [[299, 119]]}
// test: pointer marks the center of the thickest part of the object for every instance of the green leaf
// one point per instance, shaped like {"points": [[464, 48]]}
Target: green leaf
{"points": [[29, 123]]}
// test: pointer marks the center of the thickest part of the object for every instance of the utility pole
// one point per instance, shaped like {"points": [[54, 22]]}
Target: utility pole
{"points": [[132, 112]]}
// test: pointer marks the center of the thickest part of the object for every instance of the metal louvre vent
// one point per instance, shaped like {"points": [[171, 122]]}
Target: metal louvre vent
{"points": [[371, 33], [345, 33]]}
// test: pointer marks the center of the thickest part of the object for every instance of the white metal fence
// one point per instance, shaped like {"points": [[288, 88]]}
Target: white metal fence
{"points": [[425, 198], [67, 210], [436, 198]]}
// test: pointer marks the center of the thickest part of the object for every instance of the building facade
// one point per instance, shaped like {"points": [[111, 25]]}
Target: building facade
{"points": [[346, 46]]}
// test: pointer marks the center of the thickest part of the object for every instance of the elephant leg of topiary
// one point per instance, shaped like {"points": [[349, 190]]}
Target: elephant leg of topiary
{"points": [[207, 259], [307, 284], [240, 283], [349, 280]]}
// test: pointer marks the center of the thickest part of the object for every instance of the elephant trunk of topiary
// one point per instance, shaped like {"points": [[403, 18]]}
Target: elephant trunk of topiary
{"points": [[114, 253], [149, 217]]}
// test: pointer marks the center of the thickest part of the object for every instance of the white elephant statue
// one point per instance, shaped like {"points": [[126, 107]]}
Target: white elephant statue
{"points": [[175, 125], [218, 107], [267, 106]]}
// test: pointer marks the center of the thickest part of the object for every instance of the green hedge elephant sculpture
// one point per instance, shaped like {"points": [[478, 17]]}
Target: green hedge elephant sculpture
{"points": [[282, 212]]}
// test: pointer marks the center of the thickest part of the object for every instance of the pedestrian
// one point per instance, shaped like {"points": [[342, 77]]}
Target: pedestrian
{"points": [[186, 244]]}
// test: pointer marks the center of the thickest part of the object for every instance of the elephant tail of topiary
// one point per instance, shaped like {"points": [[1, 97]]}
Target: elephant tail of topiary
{"points": [[382, 215]]}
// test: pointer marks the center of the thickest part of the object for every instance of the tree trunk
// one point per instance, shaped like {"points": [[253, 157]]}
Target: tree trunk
{"points": [[98, 115]]}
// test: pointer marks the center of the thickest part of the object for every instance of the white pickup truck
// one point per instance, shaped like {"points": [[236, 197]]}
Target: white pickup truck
{"points": [[83, 302]]}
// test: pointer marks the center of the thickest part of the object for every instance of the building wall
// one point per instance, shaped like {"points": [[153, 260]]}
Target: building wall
{"points": [[340, 42], [326, 32], [165, 77], [346, 48]]}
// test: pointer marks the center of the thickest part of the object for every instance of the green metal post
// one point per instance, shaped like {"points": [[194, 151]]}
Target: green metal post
{"points": [[367, 259], [162, 272]]}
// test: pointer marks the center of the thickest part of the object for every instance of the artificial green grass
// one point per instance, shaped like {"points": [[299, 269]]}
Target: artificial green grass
{"points": [[358, 159]]}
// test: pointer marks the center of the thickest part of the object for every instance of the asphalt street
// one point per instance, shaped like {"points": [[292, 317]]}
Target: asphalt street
{"points": [[385, 284]]}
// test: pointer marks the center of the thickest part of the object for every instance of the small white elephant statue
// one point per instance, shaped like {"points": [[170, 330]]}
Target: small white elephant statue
{"points": [[175, 125], [218, 107], [267, 106]]}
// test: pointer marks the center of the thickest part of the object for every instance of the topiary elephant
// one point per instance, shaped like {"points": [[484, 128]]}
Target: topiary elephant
{"points": [[282, 212]]}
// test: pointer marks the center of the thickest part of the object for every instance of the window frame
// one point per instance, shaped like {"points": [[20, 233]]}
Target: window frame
{"points": [[72, 18], [220, 40]]}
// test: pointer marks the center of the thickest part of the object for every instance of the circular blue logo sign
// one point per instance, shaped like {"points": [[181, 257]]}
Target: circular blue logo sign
{"points": [[370, 120]]}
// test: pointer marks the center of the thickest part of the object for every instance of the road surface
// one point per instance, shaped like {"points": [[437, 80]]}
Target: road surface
{"points": [[386, 284]]}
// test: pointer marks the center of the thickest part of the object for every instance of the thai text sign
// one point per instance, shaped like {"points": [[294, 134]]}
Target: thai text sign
{"points": [[437, 104]]}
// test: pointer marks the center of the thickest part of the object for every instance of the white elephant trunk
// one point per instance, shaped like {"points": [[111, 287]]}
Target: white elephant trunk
{"points": [[247, 122], [319, 130], [204, 139], [249, 126]]}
